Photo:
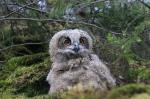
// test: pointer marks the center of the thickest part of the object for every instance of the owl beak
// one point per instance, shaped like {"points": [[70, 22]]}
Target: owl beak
{"points": [[76, 47]]}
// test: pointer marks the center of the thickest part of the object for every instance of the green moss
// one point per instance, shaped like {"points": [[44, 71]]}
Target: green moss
{"points": [[129, 90], [141, 96], [30, 80], [10, 96], [26, 60], [79, 94], [124, 92], [26, 74], [22, 96]]}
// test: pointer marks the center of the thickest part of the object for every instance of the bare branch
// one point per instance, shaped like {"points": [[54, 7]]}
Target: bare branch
{"points": [[19, 9], [2, 61], [62, 21], [6, 48], [87, 4], [53, 20], [130, 23], [145, 4], [28, 7]]}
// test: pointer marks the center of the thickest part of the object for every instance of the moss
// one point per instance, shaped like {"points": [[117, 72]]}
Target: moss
{"points": [[129, 90], [17, 51], [30, 80], [141, 96], [26, 60], [16, 65], [9, 96], [124, 92], [26, 74], [22, 96], [79, 94]]}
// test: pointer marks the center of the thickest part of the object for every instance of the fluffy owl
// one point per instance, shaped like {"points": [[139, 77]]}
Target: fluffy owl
{"points": [[75, 63]]}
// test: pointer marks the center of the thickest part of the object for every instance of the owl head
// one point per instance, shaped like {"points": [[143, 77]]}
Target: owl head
{"points": [[72, 43]]}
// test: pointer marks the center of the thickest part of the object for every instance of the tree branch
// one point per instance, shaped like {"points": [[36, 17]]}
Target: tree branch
{"points": [[90, 3], [61, 21], [6, 48], [2, 61], [148, 6], [24, 6]]}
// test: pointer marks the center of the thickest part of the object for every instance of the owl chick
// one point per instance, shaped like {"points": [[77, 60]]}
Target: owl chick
{"points": [[74, 63]]}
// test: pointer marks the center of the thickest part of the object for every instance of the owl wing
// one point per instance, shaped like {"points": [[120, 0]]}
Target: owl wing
{"points": [[97, 66]]}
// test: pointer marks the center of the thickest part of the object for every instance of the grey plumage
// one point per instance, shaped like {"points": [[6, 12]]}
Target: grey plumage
{"points": [[74, 63]]}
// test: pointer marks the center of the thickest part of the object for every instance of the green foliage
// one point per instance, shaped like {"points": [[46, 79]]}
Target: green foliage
{"points": [[126, 41], [59, 10], [139, 74]]}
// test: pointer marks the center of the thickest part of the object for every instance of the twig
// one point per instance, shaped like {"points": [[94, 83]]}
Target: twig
{"points": [[28, 7], [148, 6], [2, 61], [18, 9], [22, 45], [33, 19], [129, 24], [5, 4], [54, 20], [90, 3]]}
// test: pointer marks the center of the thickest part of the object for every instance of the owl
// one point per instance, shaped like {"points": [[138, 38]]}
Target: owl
{"points": [[73, 63]]}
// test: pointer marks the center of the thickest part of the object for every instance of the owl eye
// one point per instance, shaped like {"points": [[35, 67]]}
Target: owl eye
{"points": [[66, 41], [84, 42]]}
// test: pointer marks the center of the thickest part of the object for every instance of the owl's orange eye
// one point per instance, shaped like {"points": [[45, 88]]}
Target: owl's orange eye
{"points": [[64, 42], [84, 42], [67, 41]]}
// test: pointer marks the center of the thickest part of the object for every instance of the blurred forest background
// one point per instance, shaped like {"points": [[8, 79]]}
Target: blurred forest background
{"points": [[121, 34]]}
